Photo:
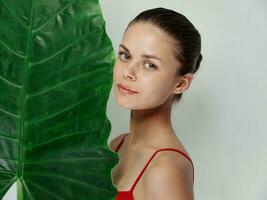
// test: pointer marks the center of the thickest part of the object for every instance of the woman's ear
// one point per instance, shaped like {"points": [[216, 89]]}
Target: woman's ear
{"points": [[183, 83]]}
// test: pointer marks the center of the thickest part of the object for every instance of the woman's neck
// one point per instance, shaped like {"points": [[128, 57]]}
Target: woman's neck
{"points": [[150, 127]]}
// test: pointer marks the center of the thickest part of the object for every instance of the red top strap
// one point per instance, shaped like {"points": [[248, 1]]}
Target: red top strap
{"points": [[171, 149], [163, 149]]}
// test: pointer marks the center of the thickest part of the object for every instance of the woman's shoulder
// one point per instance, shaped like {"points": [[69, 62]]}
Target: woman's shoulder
{"points": [[170, 179], [177, 159], [116, 141], [175, 155], [172, 170], [172, 150]]}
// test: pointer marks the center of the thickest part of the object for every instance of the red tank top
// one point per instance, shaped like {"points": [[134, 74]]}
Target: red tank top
{"points": [[128, 195]]}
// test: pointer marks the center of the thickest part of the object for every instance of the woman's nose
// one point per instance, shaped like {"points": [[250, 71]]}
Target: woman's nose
{"points": [[130, 71]]}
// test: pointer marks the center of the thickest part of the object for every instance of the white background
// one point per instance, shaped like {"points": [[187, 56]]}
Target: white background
{"points": [[222, 118]]}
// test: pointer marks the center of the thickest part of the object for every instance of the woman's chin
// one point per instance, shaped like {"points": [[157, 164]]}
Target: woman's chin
{"points": [[123, 104]]}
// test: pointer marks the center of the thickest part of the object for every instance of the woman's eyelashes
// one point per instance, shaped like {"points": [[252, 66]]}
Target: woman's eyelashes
{"points": [[152, 65], [122, 53], [124, 59]]}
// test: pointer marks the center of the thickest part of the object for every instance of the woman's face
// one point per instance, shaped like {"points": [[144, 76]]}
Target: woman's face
{"points": [[153, 78]]}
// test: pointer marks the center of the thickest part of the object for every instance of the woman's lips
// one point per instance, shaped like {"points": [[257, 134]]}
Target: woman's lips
{"points": [[125, 87], [124, 91]]}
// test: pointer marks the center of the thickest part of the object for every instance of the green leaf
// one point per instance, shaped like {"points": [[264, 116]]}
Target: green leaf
{"points": [[56, 63]]}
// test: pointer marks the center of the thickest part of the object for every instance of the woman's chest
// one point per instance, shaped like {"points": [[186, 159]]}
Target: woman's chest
{"points": [[126, 172]]}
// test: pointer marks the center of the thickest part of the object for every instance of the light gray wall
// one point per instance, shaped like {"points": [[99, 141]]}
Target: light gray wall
{"points": [[222, 118]]}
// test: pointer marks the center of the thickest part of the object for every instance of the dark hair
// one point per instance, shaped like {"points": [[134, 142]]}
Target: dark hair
{"points": [[188, 39]]}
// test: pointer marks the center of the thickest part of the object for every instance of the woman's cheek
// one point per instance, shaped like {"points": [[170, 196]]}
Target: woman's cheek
{"points": [[115, 72]]}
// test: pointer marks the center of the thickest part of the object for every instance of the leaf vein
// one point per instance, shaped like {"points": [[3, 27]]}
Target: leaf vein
{"points": [[27, 189], [65, 82], [11, 83], [67, 179], [20, 22], [12, 51], [7, 137], [9, 113], [63, 160], [54, 15], [60, 51], [9, 159], [8, 185], [61, 137], [44, 189], [67, 108]]}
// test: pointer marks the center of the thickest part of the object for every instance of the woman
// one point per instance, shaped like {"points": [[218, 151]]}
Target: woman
{"points": [[159, 53]]}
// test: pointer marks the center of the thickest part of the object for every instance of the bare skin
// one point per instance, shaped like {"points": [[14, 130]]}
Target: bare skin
{"points": [[150, 123]]}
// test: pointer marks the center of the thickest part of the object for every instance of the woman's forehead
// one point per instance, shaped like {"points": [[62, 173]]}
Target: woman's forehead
{"points": [[147, 37], [147, 33]]}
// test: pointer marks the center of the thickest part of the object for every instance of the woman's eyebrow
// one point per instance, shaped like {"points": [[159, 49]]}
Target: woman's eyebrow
{"points": [[144, 55]]}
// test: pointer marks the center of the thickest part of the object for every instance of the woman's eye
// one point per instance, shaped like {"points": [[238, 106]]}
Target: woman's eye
{"points": [[122, 53], [124, 56], [151, 65]]}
